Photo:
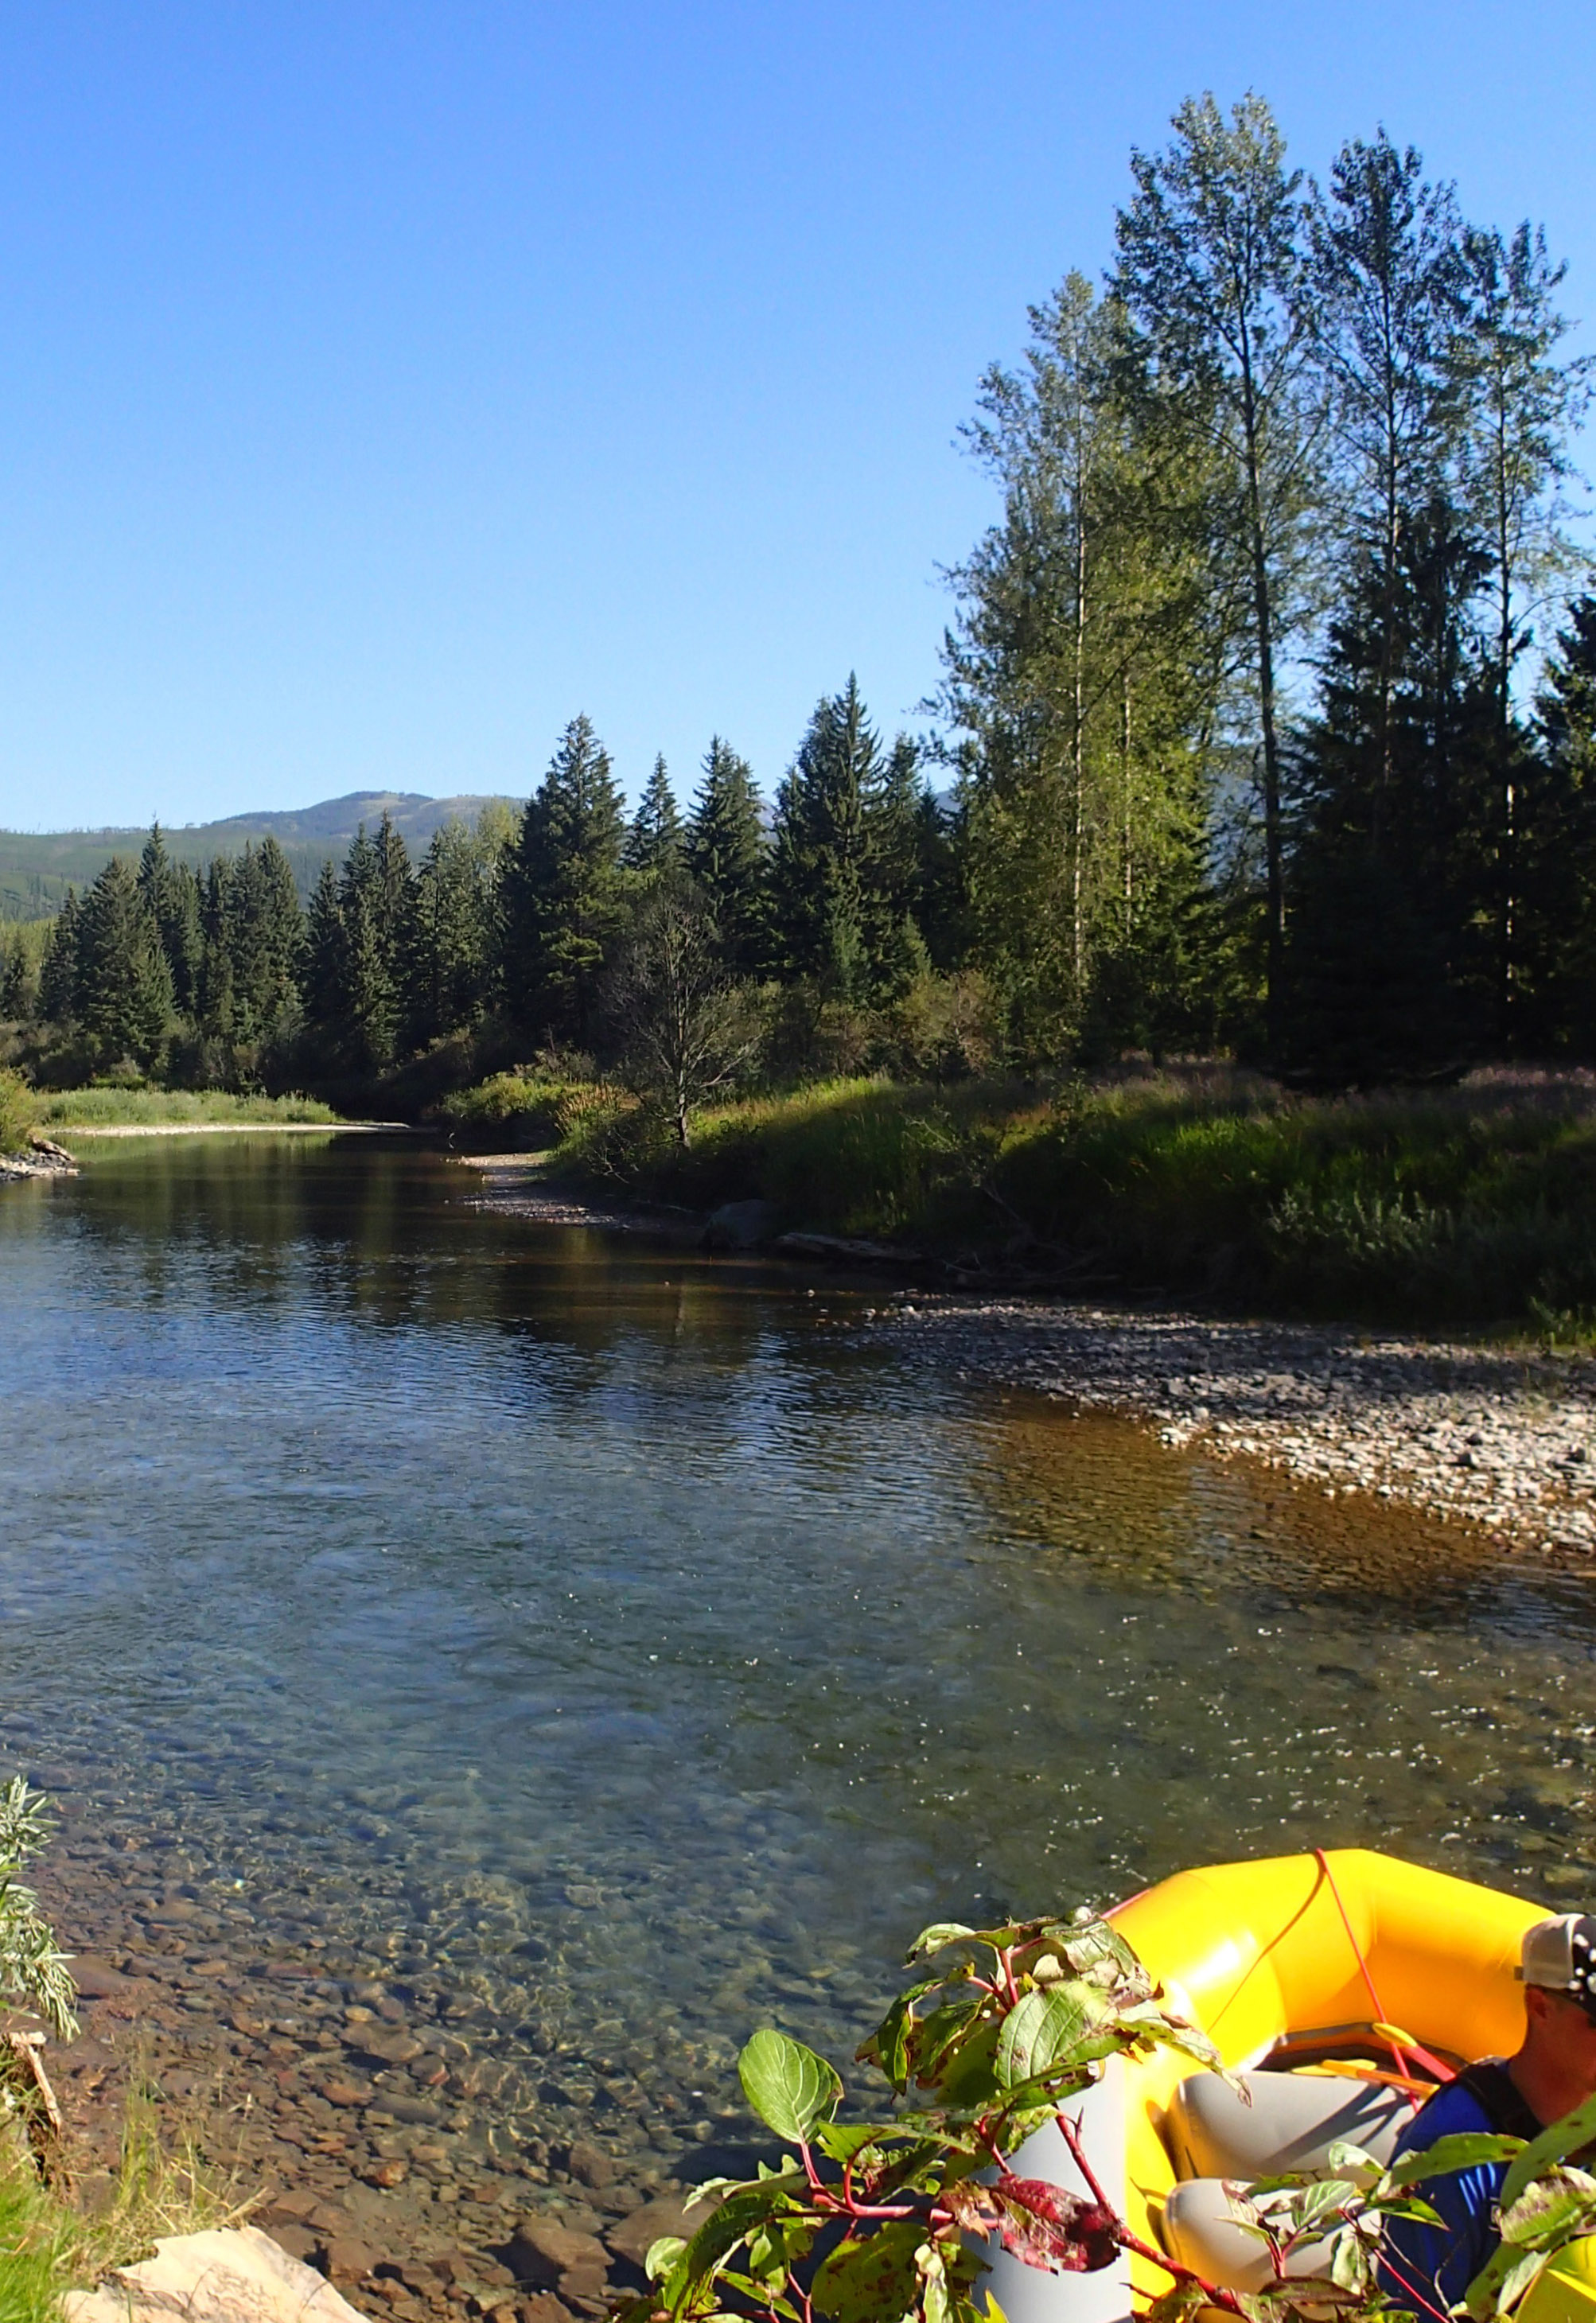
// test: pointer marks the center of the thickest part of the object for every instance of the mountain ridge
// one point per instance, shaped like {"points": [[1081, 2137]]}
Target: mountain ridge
{"points": [[37, 867]]}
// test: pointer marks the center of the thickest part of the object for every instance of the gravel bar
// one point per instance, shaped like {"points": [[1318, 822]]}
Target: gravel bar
{"points": [[1476, 1434]]}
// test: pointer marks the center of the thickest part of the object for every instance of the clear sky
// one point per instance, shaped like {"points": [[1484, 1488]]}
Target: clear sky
{"points": [[382, 381]]}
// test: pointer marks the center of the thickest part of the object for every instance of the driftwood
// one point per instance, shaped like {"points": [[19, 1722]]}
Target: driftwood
{"points": [[23, 2067]]}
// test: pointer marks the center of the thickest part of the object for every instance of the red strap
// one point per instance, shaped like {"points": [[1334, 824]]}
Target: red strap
{"points": [[1422, 2056]]}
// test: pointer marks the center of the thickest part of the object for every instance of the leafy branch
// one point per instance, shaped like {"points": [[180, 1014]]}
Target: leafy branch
{"points": [[883, 2221]]}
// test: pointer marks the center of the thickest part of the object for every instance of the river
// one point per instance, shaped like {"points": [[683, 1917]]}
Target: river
{"points": [[586, 1652]]}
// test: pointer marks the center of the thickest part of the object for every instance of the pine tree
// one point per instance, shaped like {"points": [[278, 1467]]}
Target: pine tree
{"points": [[1521, 405], [1556, 936], [326, 970], [125, 1001], [727, 856], [375, 905], [819, 871], [171, 897], [1392, 872], [1387, 275], [58, 980], [263, 931], [564, 897], [654, 841], [455, 926]]}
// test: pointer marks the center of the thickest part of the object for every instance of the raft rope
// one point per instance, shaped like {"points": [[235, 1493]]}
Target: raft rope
{"points": [[1402, 2046]]}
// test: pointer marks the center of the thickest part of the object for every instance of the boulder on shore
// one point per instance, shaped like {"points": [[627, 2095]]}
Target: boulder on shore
{"points": [[227, 2275], [740, 1226]]}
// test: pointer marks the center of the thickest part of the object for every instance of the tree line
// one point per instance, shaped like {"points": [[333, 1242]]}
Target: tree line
{"points": [[1267, 722]]}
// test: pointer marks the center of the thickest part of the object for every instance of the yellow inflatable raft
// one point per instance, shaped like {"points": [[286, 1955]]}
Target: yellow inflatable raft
{"points": [[1289, 1965]]}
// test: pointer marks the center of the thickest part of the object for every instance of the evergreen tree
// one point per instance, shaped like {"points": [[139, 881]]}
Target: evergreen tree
{"points": [[1521, 405], [125, 1001], [375, 903], [58, 981], [565, 896], [456, 925], [1555, 946], [1392, 869], [171, 897], [264, 930], [726, 854], [326, 972], [819, 873], [653, 843], [1386, 272]]}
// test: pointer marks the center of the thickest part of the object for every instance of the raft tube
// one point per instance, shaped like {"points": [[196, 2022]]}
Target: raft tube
{"points": [[1276, 1960]]}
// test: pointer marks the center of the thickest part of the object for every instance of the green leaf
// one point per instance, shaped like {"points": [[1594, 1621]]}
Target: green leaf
{"points": [[1546, 2216], [787, 2085], [1464, 2151], [1036, 2032], [964, 2074], [840, 2141], [662, 2256], [889, 2046], [743, 2212], [1554, 2144], [875, 2280], [938, 1937], [929, 2037]]}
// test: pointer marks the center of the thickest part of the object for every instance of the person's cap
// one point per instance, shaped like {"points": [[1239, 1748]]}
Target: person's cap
{"points": [[1560, 1955]]}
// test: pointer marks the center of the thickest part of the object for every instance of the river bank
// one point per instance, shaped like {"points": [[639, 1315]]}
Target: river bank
{"points": [[1495, 1438], [1487, 1436]]}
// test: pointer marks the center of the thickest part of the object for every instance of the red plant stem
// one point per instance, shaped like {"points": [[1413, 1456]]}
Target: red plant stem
{"points": [[1225, 2300]]}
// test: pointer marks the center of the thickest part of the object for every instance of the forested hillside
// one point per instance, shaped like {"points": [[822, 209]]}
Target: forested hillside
{"points": [[1267, 725], [38, 866]]}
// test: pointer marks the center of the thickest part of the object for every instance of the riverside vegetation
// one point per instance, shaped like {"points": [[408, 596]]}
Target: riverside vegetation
{"points": [[1126, 832], [1465, 1204]]}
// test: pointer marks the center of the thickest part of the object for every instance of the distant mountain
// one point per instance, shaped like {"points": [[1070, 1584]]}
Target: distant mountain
{"points": [[36, 867]]}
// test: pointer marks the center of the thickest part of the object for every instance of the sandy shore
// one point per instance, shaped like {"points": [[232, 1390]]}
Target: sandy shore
{"points": [[1506, 1441]]}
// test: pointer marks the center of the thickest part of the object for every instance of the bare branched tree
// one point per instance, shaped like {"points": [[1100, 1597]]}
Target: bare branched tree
{"points": [[685, 1026]]}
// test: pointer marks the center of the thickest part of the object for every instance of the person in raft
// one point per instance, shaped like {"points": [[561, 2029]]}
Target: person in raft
{"points": [[1424, 2268]]}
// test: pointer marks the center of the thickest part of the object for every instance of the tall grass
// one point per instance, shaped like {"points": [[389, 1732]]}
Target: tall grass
{"points": [[1474, 1205], [116, 1108]]}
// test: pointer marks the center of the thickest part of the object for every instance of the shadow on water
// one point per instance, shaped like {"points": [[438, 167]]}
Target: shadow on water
{"points": [[589, 1641]]}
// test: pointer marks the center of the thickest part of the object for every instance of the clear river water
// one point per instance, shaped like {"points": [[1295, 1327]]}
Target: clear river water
{"points": [[590, 1651]]}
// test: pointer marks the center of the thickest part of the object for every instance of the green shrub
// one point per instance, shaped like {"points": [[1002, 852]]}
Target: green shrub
{"points": [[525, 1104], [106, 1107], [19, 1112]]}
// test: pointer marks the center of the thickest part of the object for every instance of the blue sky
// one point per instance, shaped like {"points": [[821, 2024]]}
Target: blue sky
{"points": [[382, 381]]}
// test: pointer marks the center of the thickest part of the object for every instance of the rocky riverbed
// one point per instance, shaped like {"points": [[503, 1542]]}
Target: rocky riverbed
{"points": [[358, 2108], [1495, 1439]]}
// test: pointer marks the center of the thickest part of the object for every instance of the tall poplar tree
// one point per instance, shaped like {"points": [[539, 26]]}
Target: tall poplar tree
{"points": [[1208, 269]]}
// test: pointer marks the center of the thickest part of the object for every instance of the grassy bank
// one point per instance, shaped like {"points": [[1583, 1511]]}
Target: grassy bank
{"points": [[1470, 1205], [121, 1108]]}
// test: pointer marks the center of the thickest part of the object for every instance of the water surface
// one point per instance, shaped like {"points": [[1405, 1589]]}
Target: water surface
{"points": [[590, 1649]]}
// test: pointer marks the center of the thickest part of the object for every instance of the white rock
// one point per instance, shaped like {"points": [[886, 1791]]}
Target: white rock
{"points": [[228, 2274]]}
